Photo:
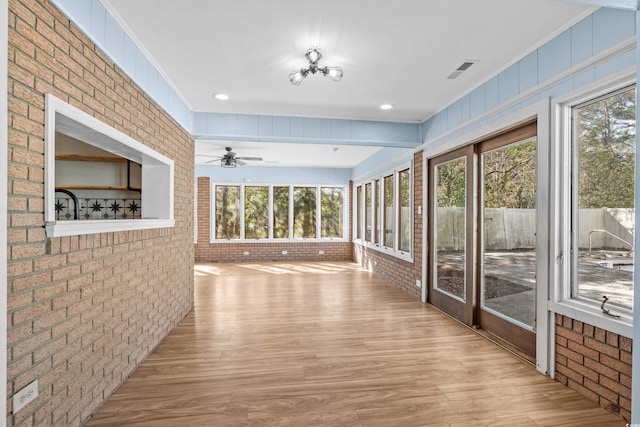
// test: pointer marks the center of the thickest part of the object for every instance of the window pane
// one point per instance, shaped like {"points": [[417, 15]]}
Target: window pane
{"points": [[450, 227], [604, 202], [331, 215], [508, 267], [359, 212], [280, 212], [367, 212], [304, 212], [376, 212], [404, 178], [389, 204], [227, 212], [256, 212]]}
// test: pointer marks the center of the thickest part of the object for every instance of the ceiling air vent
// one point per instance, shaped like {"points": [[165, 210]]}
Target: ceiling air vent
{"points": [[464, 67]]}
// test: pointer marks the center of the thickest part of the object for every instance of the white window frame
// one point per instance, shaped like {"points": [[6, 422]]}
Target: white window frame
{"points": [[379, 190], [290, 238], [561, 301], [157, 172]]}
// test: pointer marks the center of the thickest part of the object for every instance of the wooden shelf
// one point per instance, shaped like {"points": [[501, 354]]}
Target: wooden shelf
{"points": [[95, 187], [88, 158]]}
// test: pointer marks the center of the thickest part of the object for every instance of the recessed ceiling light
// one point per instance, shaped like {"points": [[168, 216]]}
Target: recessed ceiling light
{"points": [[386, 107], [221, 96]]}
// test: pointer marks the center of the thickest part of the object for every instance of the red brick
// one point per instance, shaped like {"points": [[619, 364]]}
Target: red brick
{"points": [[621, 367], [602, 347]]}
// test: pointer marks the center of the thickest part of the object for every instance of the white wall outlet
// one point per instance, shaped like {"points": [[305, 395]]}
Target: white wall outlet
{"points": [[321, 252], [418, 283], [24, 396], [245, 253], [284, 252]]}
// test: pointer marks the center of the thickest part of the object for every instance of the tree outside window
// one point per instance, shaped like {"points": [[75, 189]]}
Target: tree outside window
{"points": [[304, 212], [280, 212], [256, 212], [404, 210], [603, 198], [389, 211], [227, 212], [332, 212]]}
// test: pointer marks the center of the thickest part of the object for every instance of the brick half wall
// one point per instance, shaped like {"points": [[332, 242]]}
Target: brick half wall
{"points": [[594, 362]]}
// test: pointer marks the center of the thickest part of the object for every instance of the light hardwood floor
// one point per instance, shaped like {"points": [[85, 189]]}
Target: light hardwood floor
{"points": [[329, 344]]}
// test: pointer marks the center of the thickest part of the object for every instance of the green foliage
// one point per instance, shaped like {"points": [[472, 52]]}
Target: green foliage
{"points": [[331, 212], [256, 212], [280, 212], [451, 183], [304, 212], [510, 176], [606, 131], [227, 212]]}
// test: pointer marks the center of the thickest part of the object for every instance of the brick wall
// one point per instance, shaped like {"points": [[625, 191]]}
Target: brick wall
{"points": [[83, 311], [400, 273], [271, 251], [596, 363]]}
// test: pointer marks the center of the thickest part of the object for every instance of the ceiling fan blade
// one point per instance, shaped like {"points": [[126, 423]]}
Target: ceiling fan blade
{"points": [[257, 159], [212, 160], [240, 162]]}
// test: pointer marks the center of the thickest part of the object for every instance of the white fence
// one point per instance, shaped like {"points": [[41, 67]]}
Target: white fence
{"points": [[509, 229]]}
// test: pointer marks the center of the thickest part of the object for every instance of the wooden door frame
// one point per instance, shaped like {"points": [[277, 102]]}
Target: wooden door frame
{"points": [[478, 129], [463, 311], [470, 312]]}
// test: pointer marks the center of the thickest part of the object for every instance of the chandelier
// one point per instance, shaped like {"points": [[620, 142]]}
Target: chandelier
{"points": [[314, 55]]}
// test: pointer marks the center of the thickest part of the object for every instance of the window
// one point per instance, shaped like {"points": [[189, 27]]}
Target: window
{"points": [[256, 212], [389, 211], [384, 212], [359, 212], [280, 212], [332, 212], [602, 199], [99, 179], [376, 212], [368, 217], [404, 210], [304, 212], [227, 212], [275, 212]]}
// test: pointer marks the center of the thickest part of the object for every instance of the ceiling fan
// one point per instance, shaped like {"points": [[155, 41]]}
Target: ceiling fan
{"points": [[229, 159]]}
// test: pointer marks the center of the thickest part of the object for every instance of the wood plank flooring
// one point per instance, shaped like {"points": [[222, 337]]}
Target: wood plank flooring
{"points": [[329, 344]]}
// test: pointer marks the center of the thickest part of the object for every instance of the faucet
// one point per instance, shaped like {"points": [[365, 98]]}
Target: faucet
{"points": [[76, 204]]}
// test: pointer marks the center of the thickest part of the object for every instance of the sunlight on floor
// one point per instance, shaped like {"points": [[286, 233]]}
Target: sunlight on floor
{"points": [[277, 268]]}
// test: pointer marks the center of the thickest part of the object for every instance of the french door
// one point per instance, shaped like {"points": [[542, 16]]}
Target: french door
{"points": [[482, 251]]}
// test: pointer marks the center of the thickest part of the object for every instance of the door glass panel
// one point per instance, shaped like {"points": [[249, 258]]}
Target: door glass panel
{"points": [[508, 270], [450, 227]]}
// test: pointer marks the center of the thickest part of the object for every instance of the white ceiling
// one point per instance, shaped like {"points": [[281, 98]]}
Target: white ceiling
{"points": [[398, 52], [285, 154]]}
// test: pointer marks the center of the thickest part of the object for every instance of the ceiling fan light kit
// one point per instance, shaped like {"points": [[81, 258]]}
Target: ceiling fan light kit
{"points": [[314, 55], [229, 160]]}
